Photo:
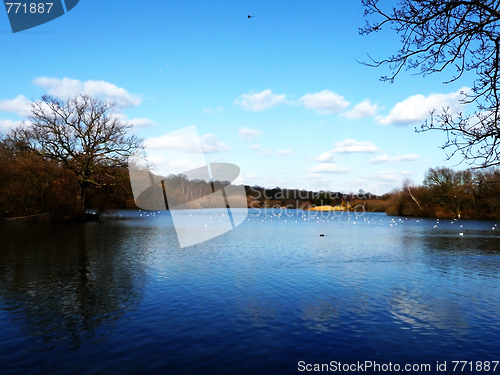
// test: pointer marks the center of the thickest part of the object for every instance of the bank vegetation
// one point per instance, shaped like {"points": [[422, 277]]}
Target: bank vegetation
{"points": [[31, 184]]}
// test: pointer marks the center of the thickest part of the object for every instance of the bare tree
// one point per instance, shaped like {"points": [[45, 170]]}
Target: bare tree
{"points": [[81, 134], [464, 36]]}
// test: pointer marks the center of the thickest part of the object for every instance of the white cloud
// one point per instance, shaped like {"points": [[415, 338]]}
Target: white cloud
{"points": [[394, 159], [324, 102], [391, 176], [6, 125], [328, 168], [135, 122], [164, 166], [350, 146], [259, 150], [210, 144], [361, 110], [245, 178], [66, 87], [141, 122], [187, 143], [316, 179], [284, 152], [181, 165], [249, 134], [417, 108], [326, 157], [183, 143], [260, 101], [20, 105]]}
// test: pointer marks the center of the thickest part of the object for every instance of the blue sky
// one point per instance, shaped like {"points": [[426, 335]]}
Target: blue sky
{"points": [[280, 95]]}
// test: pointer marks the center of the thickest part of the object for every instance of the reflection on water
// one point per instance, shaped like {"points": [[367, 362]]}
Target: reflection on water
{"points": [[321, 314], [121, 295], [426, 313], [67, 285]]}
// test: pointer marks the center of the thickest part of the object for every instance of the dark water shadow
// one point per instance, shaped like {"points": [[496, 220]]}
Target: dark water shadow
{"points": [[66, 285]]}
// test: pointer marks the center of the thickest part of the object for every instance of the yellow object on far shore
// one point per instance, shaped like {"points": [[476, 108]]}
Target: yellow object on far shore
{"points": [[327, 208]]}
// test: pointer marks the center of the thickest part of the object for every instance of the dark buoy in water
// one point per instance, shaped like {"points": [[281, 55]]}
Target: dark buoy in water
{"points": [[322, 235]]}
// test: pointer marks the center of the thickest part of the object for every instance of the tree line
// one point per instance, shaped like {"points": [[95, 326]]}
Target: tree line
{"points": [[469, 193], [32, 184], [68, 156]]}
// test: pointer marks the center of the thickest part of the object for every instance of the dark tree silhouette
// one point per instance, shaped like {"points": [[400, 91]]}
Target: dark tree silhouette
{"points": [[323, 199], [464, 36], [80, 134]]}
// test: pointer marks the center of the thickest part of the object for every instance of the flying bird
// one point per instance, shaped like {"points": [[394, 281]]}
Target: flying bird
{"points": [[249, 16]]}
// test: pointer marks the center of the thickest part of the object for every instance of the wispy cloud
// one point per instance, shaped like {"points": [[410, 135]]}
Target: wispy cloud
{"points": [[66, 87], [318, 180], [284, 152], [165, 166], [213, 111], [136, 123], [260, 101], [361, 110], [351, 146], [259, 150], [393, 159], [20, 105], [417, 108], [324, 102], [211, 144], [392, 177], [326, 157], [187, 143], [249, 134], [328, 168], [141, 122], [6, 125]]}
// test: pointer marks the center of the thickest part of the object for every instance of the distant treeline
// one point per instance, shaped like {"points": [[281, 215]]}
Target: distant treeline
{"points": [[444, 193], [30, 185], [259, 197], [448, 193]]}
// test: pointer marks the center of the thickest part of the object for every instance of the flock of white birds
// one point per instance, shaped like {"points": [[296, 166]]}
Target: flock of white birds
{"points": [[295, 216]]}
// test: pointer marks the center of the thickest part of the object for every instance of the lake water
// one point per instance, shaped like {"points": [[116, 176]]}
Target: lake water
{"points": [[121, 296]]}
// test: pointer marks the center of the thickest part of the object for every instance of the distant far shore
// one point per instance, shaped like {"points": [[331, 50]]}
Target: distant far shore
{"points": [[477, 198]]}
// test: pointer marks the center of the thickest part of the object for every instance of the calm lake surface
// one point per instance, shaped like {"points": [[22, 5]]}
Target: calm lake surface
{"points": [[121, 296]]}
